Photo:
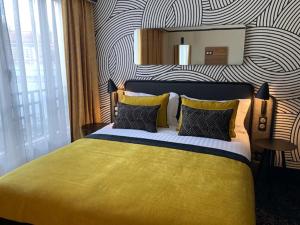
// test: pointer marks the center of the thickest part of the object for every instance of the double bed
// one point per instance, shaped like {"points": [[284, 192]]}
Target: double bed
{"points": [[133, 177]]}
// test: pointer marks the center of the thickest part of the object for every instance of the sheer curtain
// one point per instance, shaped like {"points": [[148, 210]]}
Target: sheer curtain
{"points": [[11, 137], [38, 94]]}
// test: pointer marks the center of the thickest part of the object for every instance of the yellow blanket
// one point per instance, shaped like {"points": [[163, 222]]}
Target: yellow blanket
{"points": [[101, 182]]}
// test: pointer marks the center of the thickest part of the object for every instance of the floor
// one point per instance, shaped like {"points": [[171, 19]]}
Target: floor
{"points": [[278, 200]]}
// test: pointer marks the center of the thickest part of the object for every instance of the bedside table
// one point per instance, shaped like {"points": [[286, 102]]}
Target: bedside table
{"points": [[265, 170], [91, 128], [270, 147]]}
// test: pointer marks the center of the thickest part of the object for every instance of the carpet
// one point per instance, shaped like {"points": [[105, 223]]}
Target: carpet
{"points": [[278, 199]]}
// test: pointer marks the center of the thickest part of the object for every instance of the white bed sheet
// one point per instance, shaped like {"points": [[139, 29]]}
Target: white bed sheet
{"points": [[239, 145]]}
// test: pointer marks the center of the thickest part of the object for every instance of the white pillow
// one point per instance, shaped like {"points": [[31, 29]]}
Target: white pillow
{"points": [[172, 106], [242, 112], [243, 108]]}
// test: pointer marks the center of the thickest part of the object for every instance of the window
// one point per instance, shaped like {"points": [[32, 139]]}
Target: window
{"points": [[36, 38]]}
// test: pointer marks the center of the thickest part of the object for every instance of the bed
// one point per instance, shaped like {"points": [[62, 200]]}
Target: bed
{"points": [[130, 177]]}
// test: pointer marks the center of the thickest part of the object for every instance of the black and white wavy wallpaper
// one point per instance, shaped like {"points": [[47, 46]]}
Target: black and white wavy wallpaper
{"points": [[272, 51]]}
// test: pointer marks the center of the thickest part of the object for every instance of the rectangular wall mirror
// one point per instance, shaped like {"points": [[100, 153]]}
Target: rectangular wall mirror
{"points": [[208, 45]]}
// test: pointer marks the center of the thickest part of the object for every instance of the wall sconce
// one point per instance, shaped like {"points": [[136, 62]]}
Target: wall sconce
{"points": [[111, 88], [264, 95]]}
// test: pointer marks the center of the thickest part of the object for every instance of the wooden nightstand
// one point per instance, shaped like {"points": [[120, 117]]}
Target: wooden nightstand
{"points": [[91, 128]]}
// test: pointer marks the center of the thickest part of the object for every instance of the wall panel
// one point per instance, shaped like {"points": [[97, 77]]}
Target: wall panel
{"points": [[272, 51]]}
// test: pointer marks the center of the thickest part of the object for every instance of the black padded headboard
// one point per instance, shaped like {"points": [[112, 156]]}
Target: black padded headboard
{"points": [[197, 89]]}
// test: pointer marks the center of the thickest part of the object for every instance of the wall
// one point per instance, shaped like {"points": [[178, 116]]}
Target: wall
{"points": [[272, 51]]}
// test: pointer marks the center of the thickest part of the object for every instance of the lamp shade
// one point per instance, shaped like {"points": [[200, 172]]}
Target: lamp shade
{"points": [[263, 92], [111, 86]]}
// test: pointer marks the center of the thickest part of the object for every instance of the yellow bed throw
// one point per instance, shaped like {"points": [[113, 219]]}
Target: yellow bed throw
{"points": [[102, 182]]}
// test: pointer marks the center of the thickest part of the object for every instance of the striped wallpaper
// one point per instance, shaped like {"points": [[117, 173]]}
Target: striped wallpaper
{"points": [[272, 51]]}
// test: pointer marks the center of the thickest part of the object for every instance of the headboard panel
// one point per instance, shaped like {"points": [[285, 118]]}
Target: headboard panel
{"points": [[197, 89], [202, 90]]}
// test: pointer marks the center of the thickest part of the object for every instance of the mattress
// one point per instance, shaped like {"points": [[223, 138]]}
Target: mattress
{"points": [[239, 145]]}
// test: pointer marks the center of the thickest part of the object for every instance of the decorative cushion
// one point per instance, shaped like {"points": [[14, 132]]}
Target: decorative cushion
{"points": [[172, 105], [161, 100], [242, 111], [206, 123], [136, 117], [213, 105]]}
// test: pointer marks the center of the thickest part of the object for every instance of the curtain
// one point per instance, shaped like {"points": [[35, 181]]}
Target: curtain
{"points": [[151, 45], [11, 136], [81, 65], [35, 84]]}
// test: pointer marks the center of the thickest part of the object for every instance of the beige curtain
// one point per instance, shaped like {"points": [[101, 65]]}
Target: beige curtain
{"points": [[151, 43], [81, 64]]}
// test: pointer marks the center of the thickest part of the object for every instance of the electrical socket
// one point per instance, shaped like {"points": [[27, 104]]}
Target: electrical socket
{"points": [[262, 123]]}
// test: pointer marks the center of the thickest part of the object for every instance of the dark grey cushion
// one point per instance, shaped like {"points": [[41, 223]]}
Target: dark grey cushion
{"points": [[206, 123], [136, 117]]}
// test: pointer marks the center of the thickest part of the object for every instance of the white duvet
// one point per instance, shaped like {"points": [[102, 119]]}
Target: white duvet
{"points": [[239, 145]]}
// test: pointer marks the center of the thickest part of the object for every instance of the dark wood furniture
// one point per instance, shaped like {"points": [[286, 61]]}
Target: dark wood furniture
{"points": [[91, 128], [9, 222], [270, 147]]}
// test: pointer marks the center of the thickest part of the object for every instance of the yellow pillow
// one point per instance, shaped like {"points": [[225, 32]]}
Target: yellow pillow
{"points": [[161, 100], [213, 105]]}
